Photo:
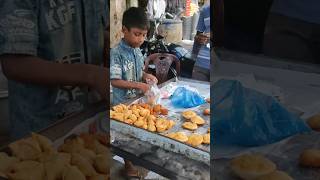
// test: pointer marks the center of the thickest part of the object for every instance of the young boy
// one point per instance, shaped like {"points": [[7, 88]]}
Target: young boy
{"points": [[126, 64], [126, 59]]}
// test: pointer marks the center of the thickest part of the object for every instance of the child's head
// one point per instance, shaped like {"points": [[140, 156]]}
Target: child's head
{"points": [[135, 25]]}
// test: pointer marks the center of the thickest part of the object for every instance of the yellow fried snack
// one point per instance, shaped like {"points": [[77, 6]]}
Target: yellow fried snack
{"points": [[72, 145], [89, 141], [126, 114], [161, 124], [197, 120], [151, 122], [101, 163], [314, 122], [164, 111], [190, 126], [66, 157], [72, 173], [188, 114], [133, 117], [179, 136], [139, 122], [99, 177], [251, 166], [310, 158], [6, 162], [87, 154], [206, 112], [152, 127], [46, 156], [111, 113], [128, 121], [142, 116], [145, 106], [206, 138], [84, 165], [54, 167], [120, 108], [118, 116], [100, 148], [195, 139], [171, 135], [144, 112], [26, 149], [171, 124], [157, 108], [275, 175], [133, 107], [28, 170], [151, 118], [92, 143], [145, 125], [44, 143], [136, 112]]}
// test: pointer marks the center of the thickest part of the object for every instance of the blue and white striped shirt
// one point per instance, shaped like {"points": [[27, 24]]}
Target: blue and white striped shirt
{"points": [[203, 58]]}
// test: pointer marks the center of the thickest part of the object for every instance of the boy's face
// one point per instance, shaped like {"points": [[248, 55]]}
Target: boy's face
{"points": [[134, 36]]}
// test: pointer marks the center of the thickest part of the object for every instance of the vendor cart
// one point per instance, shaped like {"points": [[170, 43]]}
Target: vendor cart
{"points": [[160, 154]]}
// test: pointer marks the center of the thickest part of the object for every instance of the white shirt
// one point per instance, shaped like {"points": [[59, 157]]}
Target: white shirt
{"points": [[156, 8]]}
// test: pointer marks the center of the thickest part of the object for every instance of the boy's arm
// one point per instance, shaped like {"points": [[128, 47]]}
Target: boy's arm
{"points": [[116, 76], [31, 69], [130, 85]]}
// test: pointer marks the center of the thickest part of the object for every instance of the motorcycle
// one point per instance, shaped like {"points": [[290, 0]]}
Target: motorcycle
{"points": [[157, 44]]}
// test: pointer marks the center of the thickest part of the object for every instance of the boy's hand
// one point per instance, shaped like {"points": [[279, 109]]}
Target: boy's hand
{"points": [[149, 77], [144, 87]]}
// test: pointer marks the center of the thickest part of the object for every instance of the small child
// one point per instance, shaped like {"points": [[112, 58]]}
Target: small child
{"points": [[126, 59], [127, 62]]}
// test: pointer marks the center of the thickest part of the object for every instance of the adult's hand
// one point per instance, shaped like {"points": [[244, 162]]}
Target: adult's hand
{"points": [[202, 38]]}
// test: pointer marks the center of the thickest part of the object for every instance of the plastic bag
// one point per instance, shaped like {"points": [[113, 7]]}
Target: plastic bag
{"points": [[167, 90], [245, 117], [153, 94], [186, 98]]}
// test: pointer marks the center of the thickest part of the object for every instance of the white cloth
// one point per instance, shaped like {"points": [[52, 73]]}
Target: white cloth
{"points": [[156, 8]]}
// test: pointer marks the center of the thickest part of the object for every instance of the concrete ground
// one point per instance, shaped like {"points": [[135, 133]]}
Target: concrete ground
{"points": [[118, 164]]}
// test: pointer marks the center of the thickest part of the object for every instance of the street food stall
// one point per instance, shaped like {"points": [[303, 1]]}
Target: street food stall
{"points": [[154, 137], [296, 87], [176, 152]]}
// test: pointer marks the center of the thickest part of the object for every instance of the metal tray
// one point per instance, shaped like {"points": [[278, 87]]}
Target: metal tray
{"points": [[201, 153]]}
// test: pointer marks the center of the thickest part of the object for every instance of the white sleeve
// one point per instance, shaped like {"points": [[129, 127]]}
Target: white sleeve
{"points": [[150, 9]]}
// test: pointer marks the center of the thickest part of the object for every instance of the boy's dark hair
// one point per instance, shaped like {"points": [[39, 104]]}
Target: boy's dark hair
{"points": [[135, 17]]}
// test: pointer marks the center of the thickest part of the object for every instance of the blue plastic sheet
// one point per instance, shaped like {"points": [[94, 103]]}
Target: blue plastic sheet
{"points": [[186, 98], [245, 117]]}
